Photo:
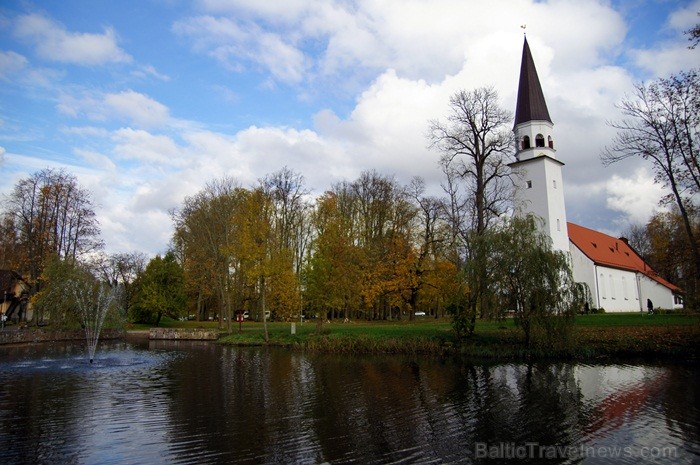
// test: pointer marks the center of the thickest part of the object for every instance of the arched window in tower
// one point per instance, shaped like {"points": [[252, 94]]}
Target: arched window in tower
{"points": [[550, 142], [539, 140], [526, 142]]}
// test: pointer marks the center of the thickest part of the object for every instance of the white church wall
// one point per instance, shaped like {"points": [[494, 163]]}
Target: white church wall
{"points": [[583, 270], [557, 208], [660, 296], [539, 187], [618, 290]]}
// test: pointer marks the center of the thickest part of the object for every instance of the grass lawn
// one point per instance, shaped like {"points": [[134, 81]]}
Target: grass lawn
{"points": [[637, 319], [419, 336], [594, 336]]}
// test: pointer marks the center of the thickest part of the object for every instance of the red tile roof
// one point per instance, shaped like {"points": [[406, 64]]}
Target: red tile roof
{"points": [[609, 251]]}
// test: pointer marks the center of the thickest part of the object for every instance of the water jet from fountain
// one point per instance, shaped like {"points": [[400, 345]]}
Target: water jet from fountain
{"points": [[93, 300]]}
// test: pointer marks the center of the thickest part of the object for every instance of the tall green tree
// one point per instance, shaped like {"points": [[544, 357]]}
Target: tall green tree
{"points": [[663, 243], [161, 291], [254, 232], [72, 295], [531, 279], [205, 233], [332, 273]]}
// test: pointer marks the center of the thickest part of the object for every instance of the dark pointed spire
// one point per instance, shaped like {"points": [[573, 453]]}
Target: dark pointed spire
{"points": [[531, 105]]}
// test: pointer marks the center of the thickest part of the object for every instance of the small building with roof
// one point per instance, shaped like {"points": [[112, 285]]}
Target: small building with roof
{"points": [[618, 279]]}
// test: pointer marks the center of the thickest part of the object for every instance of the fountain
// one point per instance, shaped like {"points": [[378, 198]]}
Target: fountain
{"points": [[93, 300]]}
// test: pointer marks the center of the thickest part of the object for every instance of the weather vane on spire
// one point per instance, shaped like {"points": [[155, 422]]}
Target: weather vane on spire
{"points": [[524, 27]]}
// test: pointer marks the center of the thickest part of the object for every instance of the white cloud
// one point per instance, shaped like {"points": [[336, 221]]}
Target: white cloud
{"points": [[400, 59], [226, 93], [2, 156], [126, 229], [289, 10], [11, 63], [86, 131], [147, 148], [231, 43], [635, 197], [386, 128], [97, 160], [137, 107], [53, 42], [88, 104], [150, 71], [418, 39], [672, 54], [685, 17], [665, 59]]}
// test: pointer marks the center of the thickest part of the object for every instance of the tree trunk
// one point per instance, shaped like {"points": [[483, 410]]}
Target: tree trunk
{"points": [[264, 312]]}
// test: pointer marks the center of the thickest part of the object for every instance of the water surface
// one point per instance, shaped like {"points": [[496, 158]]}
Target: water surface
{"points": [[189, 402]]}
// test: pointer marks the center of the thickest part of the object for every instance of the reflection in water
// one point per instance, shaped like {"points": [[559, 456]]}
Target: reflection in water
{"points": [[186, 402]]}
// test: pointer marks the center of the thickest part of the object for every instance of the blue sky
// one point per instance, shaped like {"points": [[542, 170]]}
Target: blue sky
{"points": [[146, 101]]}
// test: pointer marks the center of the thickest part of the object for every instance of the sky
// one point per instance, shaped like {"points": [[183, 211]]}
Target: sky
{"points": [[146, 101]]}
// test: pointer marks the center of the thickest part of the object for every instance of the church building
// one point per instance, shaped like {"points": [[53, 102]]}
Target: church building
{"points": [[619, 280]]}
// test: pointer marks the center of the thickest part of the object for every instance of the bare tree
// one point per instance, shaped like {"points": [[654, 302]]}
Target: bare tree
{"points": [[291, 227], [52, 217], [429, 242], [694, 35], [638, 239], [120, 270], [290, 212], [475, 142], [662, 127]]}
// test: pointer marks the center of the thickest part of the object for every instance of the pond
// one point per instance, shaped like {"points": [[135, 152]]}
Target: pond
{"points": [[197, 402]]}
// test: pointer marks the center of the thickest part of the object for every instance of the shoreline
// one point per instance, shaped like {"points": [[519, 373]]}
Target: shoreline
{"points": [[679, 343], [594, 338]]}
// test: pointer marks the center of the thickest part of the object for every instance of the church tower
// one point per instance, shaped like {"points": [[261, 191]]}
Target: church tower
{"points": [[538, 178]]}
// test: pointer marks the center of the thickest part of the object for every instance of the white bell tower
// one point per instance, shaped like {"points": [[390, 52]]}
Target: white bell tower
{"points": [[538, 178]]}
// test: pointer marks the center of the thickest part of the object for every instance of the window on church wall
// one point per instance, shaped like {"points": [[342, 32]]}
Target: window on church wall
{"points": [[612, 287], [528, 184], [526, 142], [550, 142], [601, 280], [554, 183], [539, 140], [624, 289]]}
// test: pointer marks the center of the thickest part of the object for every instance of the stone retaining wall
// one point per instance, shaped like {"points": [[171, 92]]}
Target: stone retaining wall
{"points": [[184, 334], [20, 336]]}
